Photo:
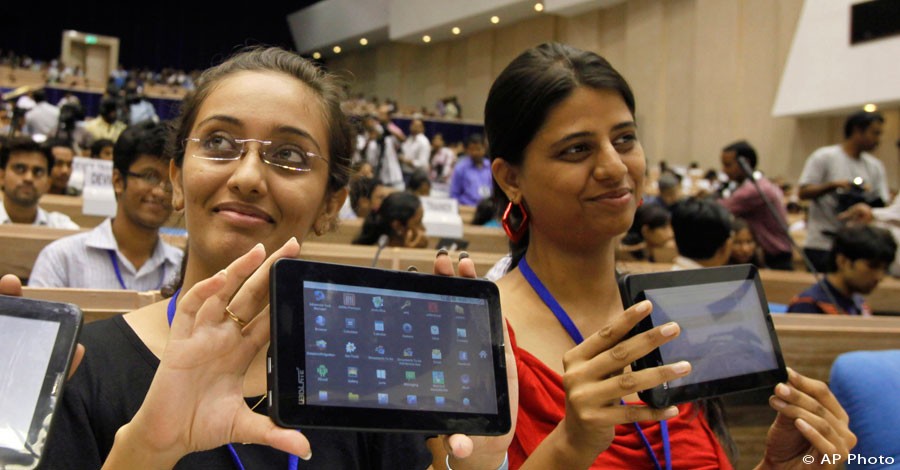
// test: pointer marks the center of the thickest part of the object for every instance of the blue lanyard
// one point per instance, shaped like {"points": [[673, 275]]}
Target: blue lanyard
{"points": [[570, 327], [115, 262], [293, 460]]}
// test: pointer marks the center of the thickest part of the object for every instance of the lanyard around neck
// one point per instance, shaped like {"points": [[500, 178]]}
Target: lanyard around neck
{"points": [[293, 460], [570, 328], [114, 259]]}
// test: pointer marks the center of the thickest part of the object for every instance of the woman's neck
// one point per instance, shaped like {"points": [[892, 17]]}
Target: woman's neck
{"points": [[197, 271], [583, 280]]}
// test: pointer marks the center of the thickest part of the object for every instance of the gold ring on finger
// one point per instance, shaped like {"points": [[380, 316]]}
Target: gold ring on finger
{"points": [[237, 319]]}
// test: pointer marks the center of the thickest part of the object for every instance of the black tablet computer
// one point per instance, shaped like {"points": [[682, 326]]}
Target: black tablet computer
{"points": [[37, 341], [378, 350], [727, 333]]}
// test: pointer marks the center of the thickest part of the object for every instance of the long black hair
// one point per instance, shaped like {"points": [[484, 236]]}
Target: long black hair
{"points": [[524, 94]]}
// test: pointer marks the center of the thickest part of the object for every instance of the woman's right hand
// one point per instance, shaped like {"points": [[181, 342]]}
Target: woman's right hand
{"points": [[196, 399], [595, 383]]}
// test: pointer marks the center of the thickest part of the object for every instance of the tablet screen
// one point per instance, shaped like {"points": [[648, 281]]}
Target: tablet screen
{"points": [[393, 349], [26, 346], [723, 329]]}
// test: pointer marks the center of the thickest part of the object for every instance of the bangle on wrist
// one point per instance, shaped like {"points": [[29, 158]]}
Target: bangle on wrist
{"points": [[503, 466]]}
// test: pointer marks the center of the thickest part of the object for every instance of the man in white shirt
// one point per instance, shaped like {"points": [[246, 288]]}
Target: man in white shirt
{"points": [[380, 150], [828, 178], [124, 252], [417, 148], [886, 217], [43, 117], [25, 173]]}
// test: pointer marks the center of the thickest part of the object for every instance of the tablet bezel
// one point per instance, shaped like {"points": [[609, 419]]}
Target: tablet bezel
{"points": [[285, 296], [633, 287], [69, 318]]}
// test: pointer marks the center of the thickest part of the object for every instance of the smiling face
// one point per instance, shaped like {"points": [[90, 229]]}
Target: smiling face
{"points": [[147, 206], [582, 173], [232, 205]]}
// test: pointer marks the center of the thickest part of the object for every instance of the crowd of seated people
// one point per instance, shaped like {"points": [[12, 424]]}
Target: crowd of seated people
{"points": [[388, 158], [713, 218]]}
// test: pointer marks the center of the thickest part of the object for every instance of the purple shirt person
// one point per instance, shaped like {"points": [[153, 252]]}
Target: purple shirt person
{"points": [[471, 181]]}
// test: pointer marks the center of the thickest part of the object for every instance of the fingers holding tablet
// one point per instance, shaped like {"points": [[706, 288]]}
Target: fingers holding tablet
{"points": [[608, 336], [815, 412], [443, 264], [10, 284]]}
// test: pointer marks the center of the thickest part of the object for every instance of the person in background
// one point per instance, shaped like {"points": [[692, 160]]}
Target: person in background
{"points": [[486, 213], [25, 168], [746, 202], [442, 159], [860, 256], [885, 217], [703, 232], [471, 180], [828, 179], [380, 151], [419, 184], [669, 190], [107, 125], [63, 155], [360, 196], [140, 109], [360, 170], [124, 252], [71, 128], [651, 230], [43, 117], [416, 148], [744, 249], [400, 218], [102, 149]]}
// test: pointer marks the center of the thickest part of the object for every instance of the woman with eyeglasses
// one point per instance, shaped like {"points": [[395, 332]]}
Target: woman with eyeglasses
{"points": [[568, 168], [261, 159]]}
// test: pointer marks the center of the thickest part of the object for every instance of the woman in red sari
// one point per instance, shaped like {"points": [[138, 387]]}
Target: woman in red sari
{"points": [[569, 169]]}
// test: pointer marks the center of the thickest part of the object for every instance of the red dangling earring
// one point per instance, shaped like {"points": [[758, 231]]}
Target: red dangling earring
{"points": [[515, 234], [640, 202]]}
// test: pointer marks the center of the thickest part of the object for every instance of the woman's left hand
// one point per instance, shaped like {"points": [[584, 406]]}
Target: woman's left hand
{"points": [[477, 452], [810, 424]]}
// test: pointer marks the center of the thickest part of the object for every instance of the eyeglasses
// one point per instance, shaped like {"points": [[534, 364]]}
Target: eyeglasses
{"points": [[282, 154], [152, 179], [36, 171]]}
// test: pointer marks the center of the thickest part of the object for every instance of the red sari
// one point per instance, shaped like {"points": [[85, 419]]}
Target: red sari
{"points": [[542, 406]]}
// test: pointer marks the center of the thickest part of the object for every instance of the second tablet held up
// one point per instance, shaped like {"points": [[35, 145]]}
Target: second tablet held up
{"points": [[727, 333]]}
